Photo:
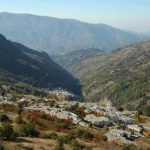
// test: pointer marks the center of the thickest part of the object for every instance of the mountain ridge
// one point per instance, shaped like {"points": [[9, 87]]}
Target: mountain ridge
{"points": [[59, 36], [77, 56]]}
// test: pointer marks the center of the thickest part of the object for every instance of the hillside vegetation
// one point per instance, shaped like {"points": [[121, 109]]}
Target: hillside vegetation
{"points": [[19, 63], [75, 58], [122, 76]]}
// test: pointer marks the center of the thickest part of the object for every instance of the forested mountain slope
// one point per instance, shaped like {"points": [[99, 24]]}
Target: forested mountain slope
{"points": [[75, 58], [122, 76], [19, 63]]}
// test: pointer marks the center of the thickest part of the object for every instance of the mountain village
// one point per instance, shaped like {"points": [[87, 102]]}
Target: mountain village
{"points": [[121, 125]]}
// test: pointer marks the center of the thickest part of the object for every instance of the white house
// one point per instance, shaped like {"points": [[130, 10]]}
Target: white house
{"points": [[126, 120], [99, 121], [1, 98], [135, 127]]}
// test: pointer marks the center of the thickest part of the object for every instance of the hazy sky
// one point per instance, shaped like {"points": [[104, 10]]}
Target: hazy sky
{"points": [[127, 14]]}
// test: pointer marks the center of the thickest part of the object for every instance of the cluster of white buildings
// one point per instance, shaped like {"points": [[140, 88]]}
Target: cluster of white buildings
{"points": [[61, 93], [62, 114], [126, 120], [59, 113], [107, 114], [3, 100], [124, 135], [117, 134], [98, 121], [135, 128]]}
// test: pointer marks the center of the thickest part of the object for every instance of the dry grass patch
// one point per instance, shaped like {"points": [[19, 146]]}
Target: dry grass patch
{"points": [[32, 144]]}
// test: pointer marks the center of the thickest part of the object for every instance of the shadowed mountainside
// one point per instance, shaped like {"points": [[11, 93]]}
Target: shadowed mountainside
{"points": [[19, 63]]}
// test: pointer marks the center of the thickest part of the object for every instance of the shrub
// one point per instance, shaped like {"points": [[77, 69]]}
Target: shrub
{"points": [[27, 130], [6, 131], [82, 134], [129, 147], [104, 137], [67, 139], [145, 110], [87, 135], [20, 109], [1, 147], [52, 135], [4, 118], [76, 146], [71, 140], [51, 103], [28, 148], [63, 124], [19, 120], [120, 108], [60, 145]]}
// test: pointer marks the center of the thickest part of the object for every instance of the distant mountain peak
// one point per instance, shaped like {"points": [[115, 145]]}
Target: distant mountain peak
{"points": [[60, 36]]}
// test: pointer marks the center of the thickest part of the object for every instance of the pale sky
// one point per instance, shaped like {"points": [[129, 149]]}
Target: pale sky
{"points": [[125, 14]]}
